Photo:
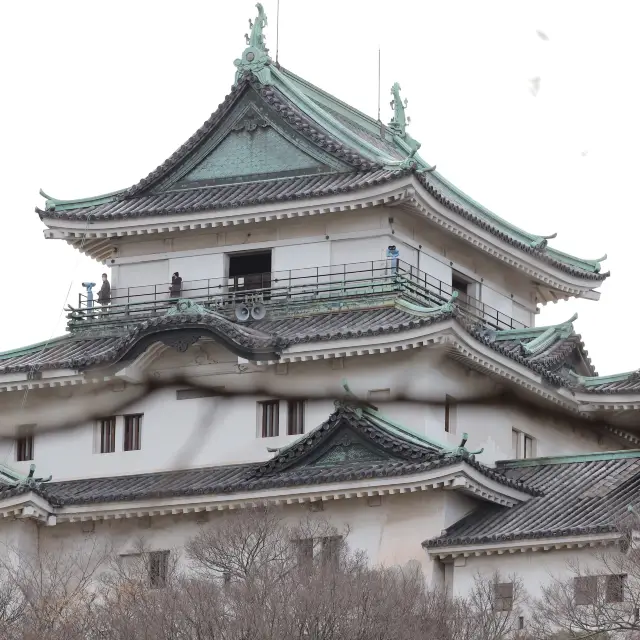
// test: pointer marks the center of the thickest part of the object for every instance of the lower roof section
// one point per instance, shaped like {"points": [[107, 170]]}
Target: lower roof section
{"points": [[580, 495], [356, 445]]}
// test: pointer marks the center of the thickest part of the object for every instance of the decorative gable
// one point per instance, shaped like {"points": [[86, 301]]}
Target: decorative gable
{"points": [[251, 141], [351, 435], [252, 149]]}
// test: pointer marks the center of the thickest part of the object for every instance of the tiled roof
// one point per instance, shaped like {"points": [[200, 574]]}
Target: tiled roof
{"points": [[365, 152], [268, 336], [392, 452], [589, 494], [228, 196], [619, 384]]}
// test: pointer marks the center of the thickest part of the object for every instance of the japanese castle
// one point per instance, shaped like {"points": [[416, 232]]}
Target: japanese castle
{"points": [[326, 270]]}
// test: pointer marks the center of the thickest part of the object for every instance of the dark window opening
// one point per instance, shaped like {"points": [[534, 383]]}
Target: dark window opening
{"points": [[250, 270], [528, 447], [585, 589], [461, 286], [107, 435], [270, 418], [330, 552], [24, 449], [503, 593], [295, 417], [449, 409], [158, 567], [132, 432], [304, 552]]}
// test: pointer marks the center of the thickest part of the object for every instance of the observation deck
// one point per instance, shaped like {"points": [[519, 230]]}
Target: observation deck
{"points": [[292, 292]]}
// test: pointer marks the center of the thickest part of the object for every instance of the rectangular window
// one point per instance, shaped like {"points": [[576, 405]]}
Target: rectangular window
{"points": [[528, 447], [158, 568], [330, 551], [107, 434], [295, 417], [132, 432], [250, 270], [270, 418], [449, 414], [503, 594], [615, 588], [585, 589], [24, 449], [304, 552], [523, 446]]}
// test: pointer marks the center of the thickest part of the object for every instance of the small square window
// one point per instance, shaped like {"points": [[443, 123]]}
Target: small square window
{"points": [[503, 594], [585, 589], [270, 418], [107, 427], [24, 449], [132, 426], [158, 569], [295, 417]]}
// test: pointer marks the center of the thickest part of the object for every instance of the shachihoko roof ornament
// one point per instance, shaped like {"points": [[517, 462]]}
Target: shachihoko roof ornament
{"points": [[255, 58]]}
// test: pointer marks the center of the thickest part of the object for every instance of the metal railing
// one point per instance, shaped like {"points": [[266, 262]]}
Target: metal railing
{"points": [[362, 281]]}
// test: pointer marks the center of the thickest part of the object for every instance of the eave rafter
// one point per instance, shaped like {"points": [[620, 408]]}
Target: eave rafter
{"points": [[406, 191], [462, 478], [510, 547]]}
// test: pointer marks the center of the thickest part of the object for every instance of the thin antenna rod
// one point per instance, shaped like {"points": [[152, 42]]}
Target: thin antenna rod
{"points": [[378, 83], [277, 30]]}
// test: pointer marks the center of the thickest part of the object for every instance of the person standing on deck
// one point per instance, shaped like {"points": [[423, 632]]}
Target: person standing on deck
{"points": [[104, 295], [176, 286]]}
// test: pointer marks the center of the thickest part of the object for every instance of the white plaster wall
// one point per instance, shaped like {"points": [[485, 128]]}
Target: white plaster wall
{"points": [[390, 533], [534, 569], [206, 431], [353, 237]]}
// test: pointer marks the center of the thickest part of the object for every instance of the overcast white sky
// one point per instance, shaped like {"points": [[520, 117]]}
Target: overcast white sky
{"points": [[97, 94]]}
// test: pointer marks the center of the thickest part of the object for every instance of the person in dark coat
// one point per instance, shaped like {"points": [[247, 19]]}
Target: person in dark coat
{"points": [[176, 286], [104, 295]]}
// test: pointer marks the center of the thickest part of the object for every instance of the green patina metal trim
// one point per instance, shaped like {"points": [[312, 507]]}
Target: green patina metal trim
{"points": [[587, 457], [385, 422], [548, 337], [14, 479], [461, 449], [255, 58], [32, 347], [55, 204], [420, 310], [532, 332], [328, 121], [595, 381]]}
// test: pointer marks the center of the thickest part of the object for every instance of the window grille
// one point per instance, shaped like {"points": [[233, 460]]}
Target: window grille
{"points": [[270, 418], [132, 426], [107, 434], [585, 589], [24, 449], [158, 568], [503, 595], [295, 418]]}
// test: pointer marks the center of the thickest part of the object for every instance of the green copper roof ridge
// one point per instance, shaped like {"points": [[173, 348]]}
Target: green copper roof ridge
{"points": [[621, 454], [594, 381], [330, 122], [511, 333], [12, 353], [373, 123], [385, 422], [548, 337], [80, 203], [521, 234]]}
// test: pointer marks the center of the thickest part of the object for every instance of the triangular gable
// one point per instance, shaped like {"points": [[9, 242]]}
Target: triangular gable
{"points": [[251, 141], [349, 436]]}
